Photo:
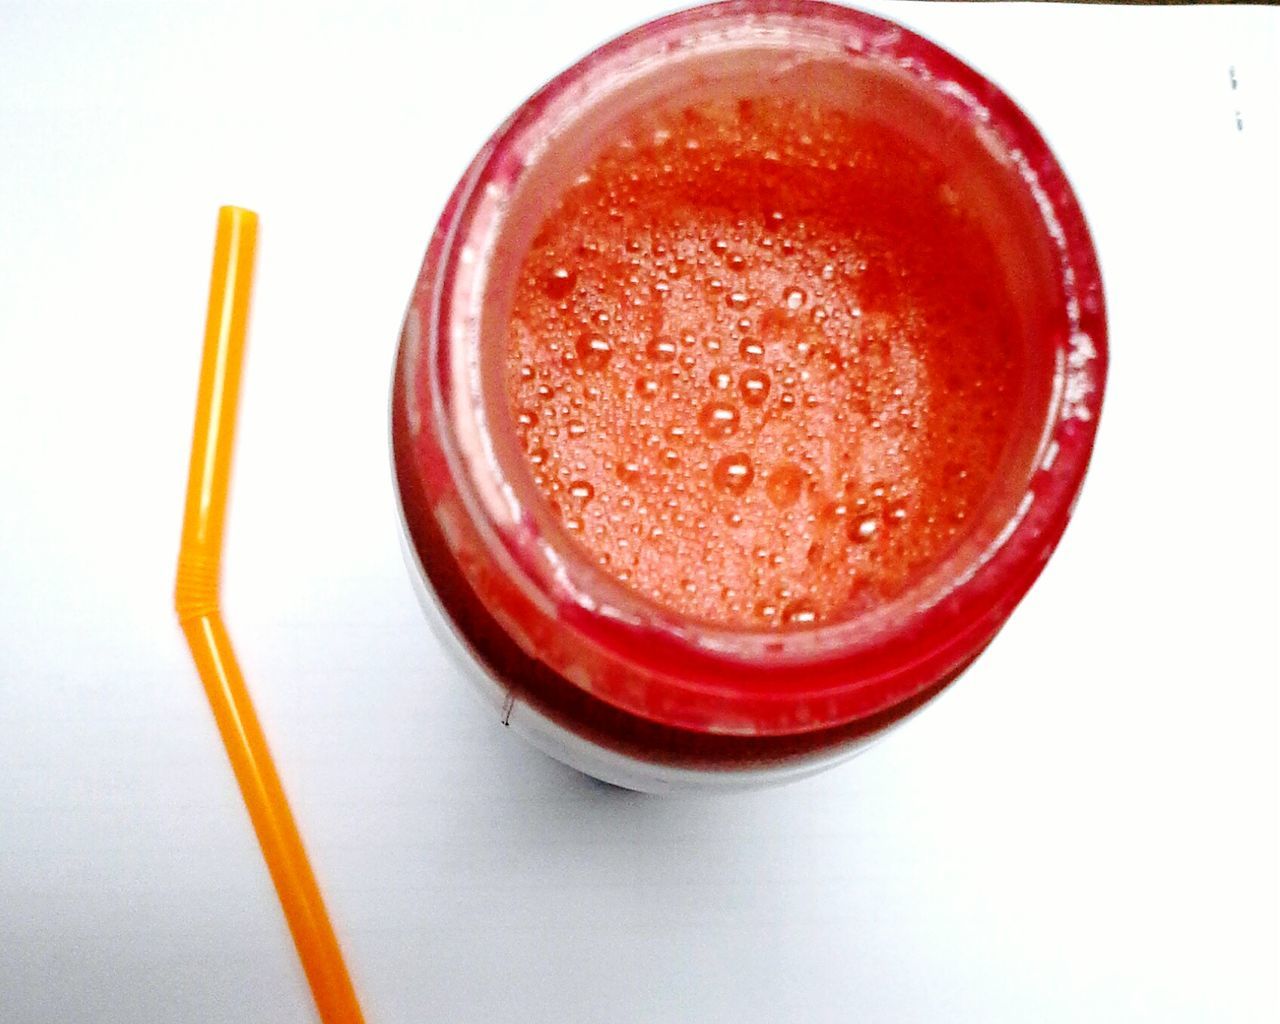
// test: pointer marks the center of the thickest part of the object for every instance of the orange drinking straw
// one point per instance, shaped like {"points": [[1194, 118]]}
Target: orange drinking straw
{"points": [[196, 601]]}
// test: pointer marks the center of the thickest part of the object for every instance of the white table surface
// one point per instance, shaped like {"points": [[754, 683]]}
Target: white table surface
{"points": [[1083, 829]]}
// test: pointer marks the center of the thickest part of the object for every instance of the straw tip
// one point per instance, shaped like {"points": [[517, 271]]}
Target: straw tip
{"points": [[238, 213]]}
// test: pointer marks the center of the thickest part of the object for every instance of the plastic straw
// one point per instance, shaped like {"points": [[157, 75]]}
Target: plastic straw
{"points": [[196, 601]]}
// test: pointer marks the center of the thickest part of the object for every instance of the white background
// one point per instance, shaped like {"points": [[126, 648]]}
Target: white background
{"points": [[1084, 829]]}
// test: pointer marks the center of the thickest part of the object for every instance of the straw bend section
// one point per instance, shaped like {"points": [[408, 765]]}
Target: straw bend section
{"points": [[196, 602]]}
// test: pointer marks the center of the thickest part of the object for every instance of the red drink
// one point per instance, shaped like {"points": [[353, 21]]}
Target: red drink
{"points": [[751, 376], [763, 361]]}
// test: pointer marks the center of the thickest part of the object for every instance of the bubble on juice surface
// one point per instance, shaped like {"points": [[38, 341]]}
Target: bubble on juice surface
{"points": [[733, 473], [864, 530], [661, 349], [754, 385], [559, 283], [784, 485], [718, 419], [593, 350], [800, 613], [766, 611]]}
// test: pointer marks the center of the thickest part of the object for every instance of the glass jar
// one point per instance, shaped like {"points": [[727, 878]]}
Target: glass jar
{"points": [[593, 673]]}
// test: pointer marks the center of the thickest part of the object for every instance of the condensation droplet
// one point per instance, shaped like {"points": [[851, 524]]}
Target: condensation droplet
{"points": [[864, 530], [733, 474], [799, 613], [593, 351], [784, 485], [766, 610], [833, 512], [559, 283], [754, 386], [661, 350], [718, 419]]}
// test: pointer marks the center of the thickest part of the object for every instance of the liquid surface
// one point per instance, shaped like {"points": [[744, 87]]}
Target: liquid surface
{"points": [[762, 362]]}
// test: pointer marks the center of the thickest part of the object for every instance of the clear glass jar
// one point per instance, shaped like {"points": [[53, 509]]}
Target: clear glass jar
{"points": [[591, 672]]}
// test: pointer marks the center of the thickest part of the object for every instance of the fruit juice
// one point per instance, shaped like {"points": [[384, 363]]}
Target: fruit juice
{"points": [[762, 361]]}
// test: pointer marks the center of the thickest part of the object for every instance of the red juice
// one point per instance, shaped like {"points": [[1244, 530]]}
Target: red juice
{"points": [[748, 384], [762, 361]]}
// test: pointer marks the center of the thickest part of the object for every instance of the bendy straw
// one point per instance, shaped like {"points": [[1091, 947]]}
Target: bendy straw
{"points": [[196, 601]]}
